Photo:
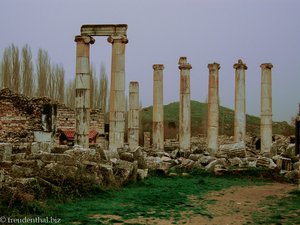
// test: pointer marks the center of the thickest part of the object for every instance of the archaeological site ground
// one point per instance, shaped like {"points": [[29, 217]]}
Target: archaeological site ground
{"points": [[182, 163]]}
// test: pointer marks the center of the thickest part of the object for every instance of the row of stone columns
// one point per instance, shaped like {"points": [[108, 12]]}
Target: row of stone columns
{"points": [[117, 101], [213, 106]]}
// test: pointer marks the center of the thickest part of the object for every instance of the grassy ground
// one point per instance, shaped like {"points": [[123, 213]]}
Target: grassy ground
{"points": [[156, 197], [279, 211]]}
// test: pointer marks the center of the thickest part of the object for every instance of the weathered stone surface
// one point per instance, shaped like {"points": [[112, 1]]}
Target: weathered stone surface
{"points": [[211, 165], [110, 155], [284, 163], [195, 157], [232, 150], [127, 156], [290, 151], [292, 175], [265, 162], [142, 174], [60, 149], [38, 147], [18, 156], [5, 151], [108, 175], [296, 166], [152, 162], [82, 154], [236, 161], [51, 157], [206, 159], [19, 171], [125, 171]]}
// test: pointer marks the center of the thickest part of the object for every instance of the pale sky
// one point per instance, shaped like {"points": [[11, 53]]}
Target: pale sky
{"points": [[160, 31]]}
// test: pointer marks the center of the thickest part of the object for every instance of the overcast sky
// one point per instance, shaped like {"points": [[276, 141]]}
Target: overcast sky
{"points": [[160, 31]]}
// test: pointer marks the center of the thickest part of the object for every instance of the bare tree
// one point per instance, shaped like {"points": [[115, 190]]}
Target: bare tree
{"points": [[103, 88], [60, 83], [6, 68], [43, 72], [15, 83], [27, 71], [70, 94]]}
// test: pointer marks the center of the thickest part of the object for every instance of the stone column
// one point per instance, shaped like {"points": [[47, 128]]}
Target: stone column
{"points": [[266, 108], [158, 108], [117, 93], [213, 108], [185, 105], [133, 115], [240, 102], [83, 89]]}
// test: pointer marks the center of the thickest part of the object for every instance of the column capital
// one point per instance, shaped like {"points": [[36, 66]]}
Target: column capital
{"points": [[266, 66], [158, 66], [214, 66], [85, 39], [183, 65], [117, 38], [240, 65]]}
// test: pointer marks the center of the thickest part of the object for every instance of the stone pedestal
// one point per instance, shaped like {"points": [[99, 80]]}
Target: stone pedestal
{"points": [[213, 108], [133, 115], [240, 102], [266, 108], [82, 85], [158, 108], [117, 93], [185, 105]]}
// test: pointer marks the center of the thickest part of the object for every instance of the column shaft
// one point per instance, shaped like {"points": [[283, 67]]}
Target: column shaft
{"points": [[240, 102], [158, 108], [213, 108], [117, 93], [133, 115], [185, 105], [82, 85], [266, 108]]}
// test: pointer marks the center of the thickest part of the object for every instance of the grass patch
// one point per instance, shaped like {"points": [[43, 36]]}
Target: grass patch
{"points": [[279, 211], [156, 197]]}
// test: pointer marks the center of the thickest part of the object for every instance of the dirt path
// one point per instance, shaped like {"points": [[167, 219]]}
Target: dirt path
{"points": [[231, 206]]}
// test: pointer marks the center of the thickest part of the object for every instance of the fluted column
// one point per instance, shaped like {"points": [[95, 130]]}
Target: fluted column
{"points": [[133, 115], [185, 105], [213, 108], [158, 108], [266, 107], [240, 102], [82, 85], [117, 93]]}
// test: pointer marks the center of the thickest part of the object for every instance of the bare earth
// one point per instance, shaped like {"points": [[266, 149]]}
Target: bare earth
{"points": [[231, 206]]}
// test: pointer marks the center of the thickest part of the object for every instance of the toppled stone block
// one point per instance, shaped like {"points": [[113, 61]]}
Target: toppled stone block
{"points": [[60, 149], [38, 147], [296, 166], [5, 151], [142, 174], [18, 156], [290, 151], [195, 157], [125, 172], [211, 165], [236, 161], [206, 159], [232, 150], [20, 171], [51, 157], [152, 162], [82, 154], [127, 156], [108, 175], [284, 163], [110, 155], [265, 162], [292, 175]]}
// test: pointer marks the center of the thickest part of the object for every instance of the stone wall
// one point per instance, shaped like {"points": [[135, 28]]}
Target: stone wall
{"points": [[20, 116]]}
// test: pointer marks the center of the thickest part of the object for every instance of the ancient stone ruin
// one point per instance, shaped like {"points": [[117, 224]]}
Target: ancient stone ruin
{"points": [[42, 140]]}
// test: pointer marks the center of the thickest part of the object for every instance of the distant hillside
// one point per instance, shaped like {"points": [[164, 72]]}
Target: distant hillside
{"points": [[199, 121]]}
